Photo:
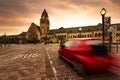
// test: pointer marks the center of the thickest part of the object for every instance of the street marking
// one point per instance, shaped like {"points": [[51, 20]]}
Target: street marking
{"points": [[49, 57], [26, 55], [19, 56], [30, 55], [54, 70], [51, 62], [34, 55]]}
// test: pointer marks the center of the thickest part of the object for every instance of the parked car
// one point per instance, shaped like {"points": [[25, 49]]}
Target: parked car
{"points": [[86, 55]]}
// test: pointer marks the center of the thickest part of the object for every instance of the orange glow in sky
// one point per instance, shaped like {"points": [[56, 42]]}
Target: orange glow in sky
{"points": [[17, 15]]}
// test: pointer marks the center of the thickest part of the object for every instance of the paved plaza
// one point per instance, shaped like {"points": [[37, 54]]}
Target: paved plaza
{"points": [[41, 62]]}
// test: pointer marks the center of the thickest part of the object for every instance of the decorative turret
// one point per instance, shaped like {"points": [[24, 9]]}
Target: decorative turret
{"points": [[44, 23]]}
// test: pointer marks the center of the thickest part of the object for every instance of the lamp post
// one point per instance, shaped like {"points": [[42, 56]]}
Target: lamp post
{"points": [[110, 40], [103, 12], [80, 29]]}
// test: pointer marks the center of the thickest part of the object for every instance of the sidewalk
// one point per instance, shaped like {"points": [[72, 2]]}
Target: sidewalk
{"points": [[115, 51]]}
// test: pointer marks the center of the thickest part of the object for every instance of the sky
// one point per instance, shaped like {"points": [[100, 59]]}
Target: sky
{"points": [[16, 16]]}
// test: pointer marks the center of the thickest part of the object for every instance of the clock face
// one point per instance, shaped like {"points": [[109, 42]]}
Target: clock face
{"points": [[43, 17]]}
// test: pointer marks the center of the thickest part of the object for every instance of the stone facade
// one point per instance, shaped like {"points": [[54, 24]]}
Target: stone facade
{"points": [[63, 34], [44, 23], [36, 32], [33, 32], [84, 32]]}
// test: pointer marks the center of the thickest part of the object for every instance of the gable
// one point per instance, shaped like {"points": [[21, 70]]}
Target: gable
{"points": [[34, 27]]}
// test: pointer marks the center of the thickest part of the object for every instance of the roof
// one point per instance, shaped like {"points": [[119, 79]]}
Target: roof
{"points": [[75, 29], [38, 27], [22, 34], [86, 39], [44, 13], [83, 29]]}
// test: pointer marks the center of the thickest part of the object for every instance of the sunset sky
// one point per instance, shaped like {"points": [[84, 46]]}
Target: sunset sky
{"points": [[17, 15]]}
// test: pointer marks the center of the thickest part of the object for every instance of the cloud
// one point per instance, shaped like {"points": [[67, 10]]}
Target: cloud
{"points": [[91, 3], [115, 2], [20, 13]]}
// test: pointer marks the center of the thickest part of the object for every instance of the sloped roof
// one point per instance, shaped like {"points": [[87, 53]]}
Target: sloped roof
{"points": [[83, 29], [74, 29], [22, 34], [38, 27]]}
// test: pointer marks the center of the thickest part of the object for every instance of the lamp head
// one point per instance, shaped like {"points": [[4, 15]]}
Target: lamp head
{"points": [[103, 11], [80, 29]]}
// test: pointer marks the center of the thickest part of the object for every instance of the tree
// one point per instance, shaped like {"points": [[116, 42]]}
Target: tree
{"points": [[61, 38], [45, 39]]}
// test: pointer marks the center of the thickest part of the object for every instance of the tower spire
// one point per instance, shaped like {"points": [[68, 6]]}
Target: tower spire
{"points": [[44, 13], [44, 22]]}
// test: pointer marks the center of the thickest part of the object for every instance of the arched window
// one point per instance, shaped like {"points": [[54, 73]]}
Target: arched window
{"points": [[116, 34], [65, 36], [95, 34], [88, 35], [99, 34]]}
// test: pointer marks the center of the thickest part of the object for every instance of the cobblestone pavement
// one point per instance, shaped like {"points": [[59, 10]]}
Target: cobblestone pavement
{"points": [[22, 62], [41, 62]]}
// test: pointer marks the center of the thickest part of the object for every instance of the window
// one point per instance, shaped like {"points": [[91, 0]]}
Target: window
{"points": [[99, 35], [95, 34], [116, 34], [88, 35]]}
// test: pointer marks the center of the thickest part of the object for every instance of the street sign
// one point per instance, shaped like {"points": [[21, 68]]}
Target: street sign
{"points": [[112, 28], [107, 21]]}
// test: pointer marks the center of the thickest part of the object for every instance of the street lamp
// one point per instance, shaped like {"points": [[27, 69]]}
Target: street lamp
{"points": [[103, 12], [80, 29]]}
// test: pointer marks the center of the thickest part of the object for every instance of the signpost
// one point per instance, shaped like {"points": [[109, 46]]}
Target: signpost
{"points": [[110, 30]]}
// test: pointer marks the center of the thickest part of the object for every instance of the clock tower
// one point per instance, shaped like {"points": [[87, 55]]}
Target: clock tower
{"points": [[44, 23]]}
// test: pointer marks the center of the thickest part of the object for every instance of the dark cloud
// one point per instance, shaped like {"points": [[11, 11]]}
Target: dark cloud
{"points": [[13, 13], [115, 2], [12, 8], [19, 13], [24, 8]]}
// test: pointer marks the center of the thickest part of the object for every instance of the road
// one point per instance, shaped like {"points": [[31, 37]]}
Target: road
{"points": [[41, 62]]}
